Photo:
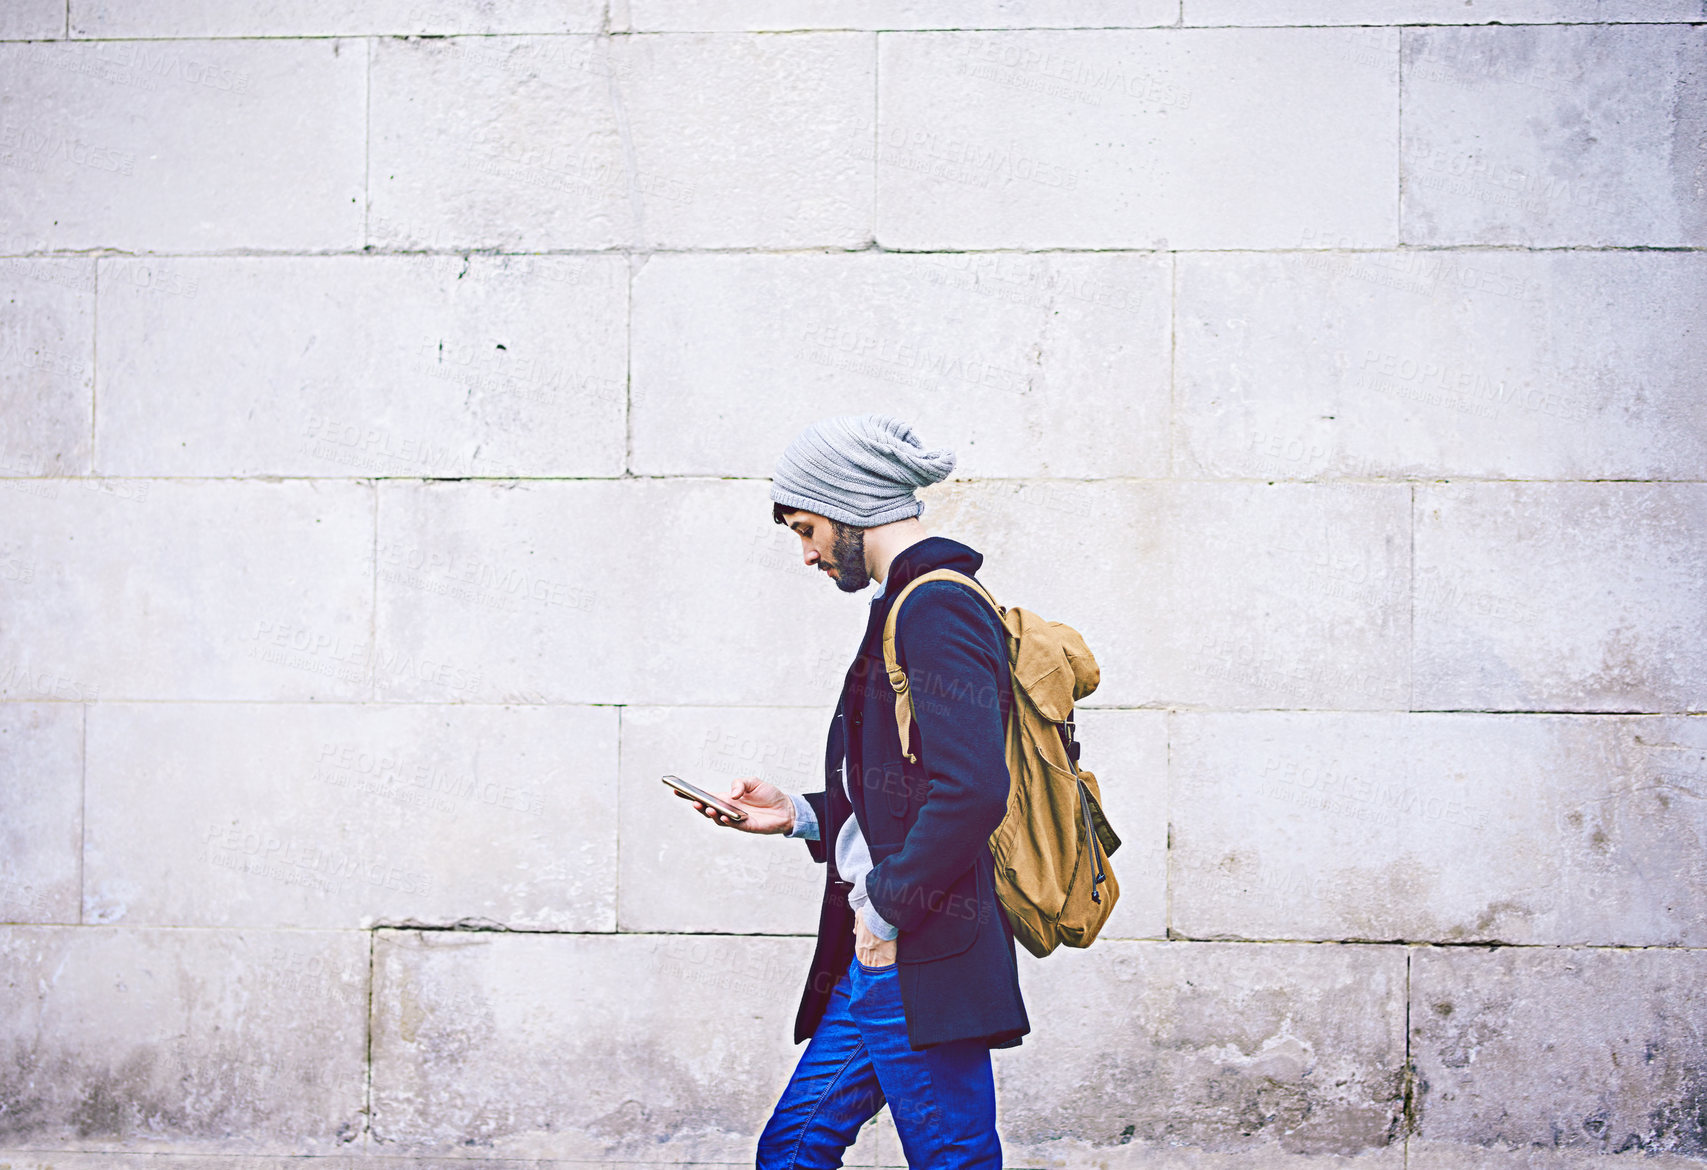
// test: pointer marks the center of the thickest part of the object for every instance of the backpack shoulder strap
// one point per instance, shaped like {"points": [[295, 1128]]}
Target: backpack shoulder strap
{"points": [[898, 677]]}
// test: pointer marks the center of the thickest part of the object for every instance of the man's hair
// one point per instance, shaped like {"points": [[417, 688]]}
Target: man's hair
{"points": [[777, 511]]}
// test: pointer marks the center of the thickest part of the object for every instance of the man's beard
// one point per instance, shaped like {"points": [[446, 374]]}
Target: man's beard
{"points": [[847, 553]]}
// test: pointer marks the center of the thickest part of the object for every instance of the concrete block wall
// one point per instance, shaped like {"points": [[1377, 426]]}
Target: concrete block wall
{"points": [[388, 392]]}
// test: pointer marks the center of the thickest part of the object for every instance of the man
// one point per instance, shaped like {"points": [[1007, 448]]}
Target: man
{"points": [[914, 978]]}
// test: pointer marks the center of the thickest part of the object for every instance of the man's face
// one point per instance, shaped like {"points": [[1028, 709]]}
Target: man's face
{"points": [[837, 549]]}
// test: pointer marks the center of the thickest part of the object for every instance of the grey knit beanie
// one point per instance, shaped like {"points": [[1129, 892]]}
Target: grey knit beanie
{"points": [[860, 469]]}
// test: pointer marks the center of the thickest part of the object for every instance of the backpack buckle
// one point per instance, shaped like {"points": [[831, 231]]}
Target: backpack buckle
{"points": [[1065, 727]]}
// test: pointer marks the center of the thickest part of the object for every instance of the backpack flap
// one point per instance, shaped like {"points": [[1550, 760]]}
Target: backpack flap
{"points": [[1053, 666]]}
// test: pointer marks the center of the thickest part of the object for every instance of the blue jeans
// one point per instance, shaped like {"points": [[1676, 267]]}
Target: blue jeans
{"points": [[943, 1099]]}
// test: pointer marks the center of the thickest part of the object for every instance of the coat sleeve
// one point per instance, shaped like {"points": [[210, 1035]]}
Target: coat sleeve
{"points": [[815, 845], [956, 663]]}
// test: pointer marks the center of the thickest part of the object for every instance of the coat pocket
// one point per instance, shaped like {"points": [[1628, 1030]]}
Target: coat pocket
{"points": [[907, 794], [953, 917]]}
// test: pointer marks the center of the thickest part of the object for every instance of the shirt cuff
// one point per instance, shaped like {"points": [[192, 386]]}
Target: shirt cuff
{"points": [[805, 820], [861, 902]]}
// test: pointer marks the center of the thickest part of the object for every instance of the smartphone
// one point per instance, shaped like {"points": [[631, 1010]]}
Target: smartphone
{"points": [[704, 797]]}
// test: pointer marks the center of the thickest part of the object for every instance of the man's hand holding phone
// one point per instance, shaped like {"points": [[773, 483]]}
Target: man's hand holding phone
{"points": [[767, 807]]}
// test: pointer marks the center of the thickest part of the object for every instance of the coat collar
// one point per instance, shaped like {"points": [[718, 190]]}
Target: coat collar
{"points": [[933, 552]]}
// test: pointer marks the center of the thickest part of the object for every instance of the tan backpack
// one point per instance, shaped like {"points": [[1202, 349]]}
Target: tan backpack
{"points": [[1052, 847]]}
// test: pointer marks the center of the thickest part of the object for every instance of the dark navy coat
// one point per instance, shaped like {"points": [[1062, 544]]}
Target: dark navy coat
{"points": [[928, 824]]}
